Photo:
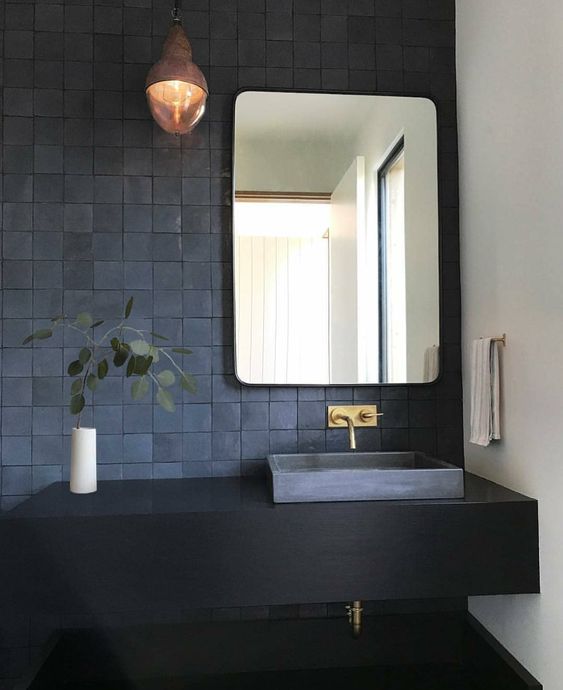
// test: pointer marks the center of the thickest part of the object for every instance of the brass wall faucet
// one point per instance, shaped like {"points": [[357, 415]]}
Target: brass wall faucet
{"points": [[352, 416]]}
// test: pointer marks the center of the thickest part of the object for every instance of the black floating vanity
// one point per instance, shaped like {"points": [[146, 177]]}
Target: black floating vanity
{"points": [[148, 545]]}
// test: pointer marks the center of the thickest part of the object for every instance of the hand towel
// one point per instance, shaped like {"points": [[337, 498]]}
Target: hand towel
{"points": [[485, 392], [431, 364]]}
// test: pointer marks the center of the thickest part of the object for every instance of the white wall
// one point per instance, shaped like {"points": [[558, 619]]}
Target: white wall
{"points": [[290, 165], [415, 118], [510, 97], [347, 218]]}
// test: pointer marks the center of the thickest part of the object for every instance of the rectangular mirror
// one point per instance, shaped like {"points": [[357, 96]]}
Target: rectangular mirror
{"points": [[335, 221]]}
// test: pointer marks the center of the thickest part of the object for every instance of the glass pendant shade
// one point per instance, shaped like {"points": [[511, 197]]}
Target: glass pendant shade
{"points": [[176, 88]]}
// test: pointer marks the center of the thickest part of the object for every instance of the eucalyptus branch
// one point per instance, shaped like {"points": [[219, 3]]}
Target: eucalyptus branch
{"points": [[78, 330], [174, 364], [138, 357]]}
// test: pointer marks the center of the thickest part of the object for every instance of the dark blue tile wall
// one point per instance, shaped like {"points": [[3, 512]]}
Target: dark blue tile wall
{"points": [[99, 204]]}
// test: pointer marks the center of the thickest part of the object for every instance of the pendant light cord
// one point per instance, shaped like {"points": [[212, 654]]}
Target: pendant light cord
{"points": [[176, 12]]}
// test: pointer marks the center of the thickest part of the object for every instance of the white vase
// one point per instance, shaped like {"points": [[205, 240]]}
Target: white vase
{"points": [[83, 461]]}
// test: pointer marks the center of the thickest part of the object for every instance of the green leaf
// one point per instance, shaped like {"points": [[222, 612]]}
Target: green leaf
{"points": [[84, 355], [92, 382], [139, 388], [75, 368], [166, 378], [84, 319], [95, 325], [128, 307], [57, 319], [140, 347], [141, 365], [115, 344], [77, 403], [120, 357], [157, 335], [76, 387], [154, 353], [165, 400], [182, 350], [188, 382], [103, 369], [145, 365], [131, 366], [41, 334]]}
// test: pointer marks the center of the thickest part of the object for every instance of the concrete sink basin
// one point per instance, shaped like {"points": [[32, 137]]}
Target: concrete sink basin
{"points": [[310, 477]]}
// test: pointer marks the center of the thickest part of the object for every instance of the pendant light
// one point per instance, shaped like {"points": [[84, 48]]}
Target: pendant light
{"points": [[176, 88]]}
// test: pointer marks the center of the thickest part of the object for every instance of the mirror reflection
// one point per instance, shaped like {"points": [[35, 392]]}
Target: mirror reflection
{"points": [[335, 239]]}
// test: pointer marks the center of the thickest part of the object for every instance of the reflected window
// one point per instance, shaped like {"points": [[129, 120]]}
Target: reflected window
{"points": [[392, 265]]}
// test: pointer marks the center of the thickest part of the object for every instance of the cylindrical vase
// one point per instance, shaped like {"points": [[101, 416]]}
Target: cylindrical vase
{"points": [[83, 461]]}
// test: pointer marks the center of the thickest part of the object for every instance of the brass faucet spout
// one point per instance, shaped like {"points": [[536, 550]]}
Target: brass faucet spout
{"points": [[351, 432], [351, 429]]}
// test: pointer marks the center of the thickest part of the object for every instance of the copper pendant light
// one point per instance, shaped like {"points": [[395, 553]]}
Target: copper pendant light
{"points": [[176, 88]]}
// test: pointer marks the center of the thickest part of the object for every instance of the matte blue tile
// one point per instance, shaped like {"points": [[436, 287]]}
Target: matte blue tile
{"points": [[168, 470], [48, 361], [47, 450], [197, 303], [255, 444], [16, 391], [197, 447], [137, 448], [137, 418], [226, 446], [110, 472], [255, 415], [143, 470], [311, 415], [167, 448], [283, 415], [283, 441], [47, 421], [192, 470], [197, 417], [109, 449], [16, 421], [16, 362], [226, 417], [16, 481], [226, 389], [44, 475], [168, 421], [16, 450], [108, 419]]}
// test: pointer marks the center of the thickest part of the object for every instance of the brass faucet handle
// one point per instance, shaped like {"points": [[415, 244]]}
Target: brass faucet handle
{"points": [[366, 415]]}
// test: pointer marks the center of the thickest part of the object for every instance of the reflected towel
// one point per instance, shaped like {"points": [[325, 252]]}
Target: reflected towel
{"points": [[431, 364], [485, 392]]}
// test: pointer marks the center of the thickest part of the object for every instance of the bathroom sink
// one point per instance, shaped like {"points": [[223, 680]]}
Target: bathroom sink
{"points": [[310, 477]]}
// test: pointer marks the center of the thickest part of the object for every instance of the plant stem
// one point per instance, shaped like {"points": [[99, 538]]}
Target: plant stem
{"points": [[171, 359]]}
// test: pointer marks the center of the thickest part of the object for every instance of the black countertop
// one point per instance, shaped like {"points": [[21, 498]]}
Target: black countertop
{"points": [[222, 542], [176, 496]]}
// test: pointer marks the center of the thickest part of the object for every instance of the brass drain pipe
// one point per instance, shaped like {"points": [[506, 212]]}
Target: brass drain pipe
{"points": [[355, 615]]}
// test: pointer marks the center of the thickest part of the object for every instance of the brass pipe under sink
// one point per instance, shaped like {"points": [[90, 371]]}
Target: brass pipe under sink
{"points": [[355, 616]]}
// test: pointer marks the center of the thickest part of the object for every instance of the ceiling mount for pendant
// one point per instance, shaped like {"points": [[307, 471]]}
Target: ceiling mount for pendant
{"points": [[175, 86]]}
